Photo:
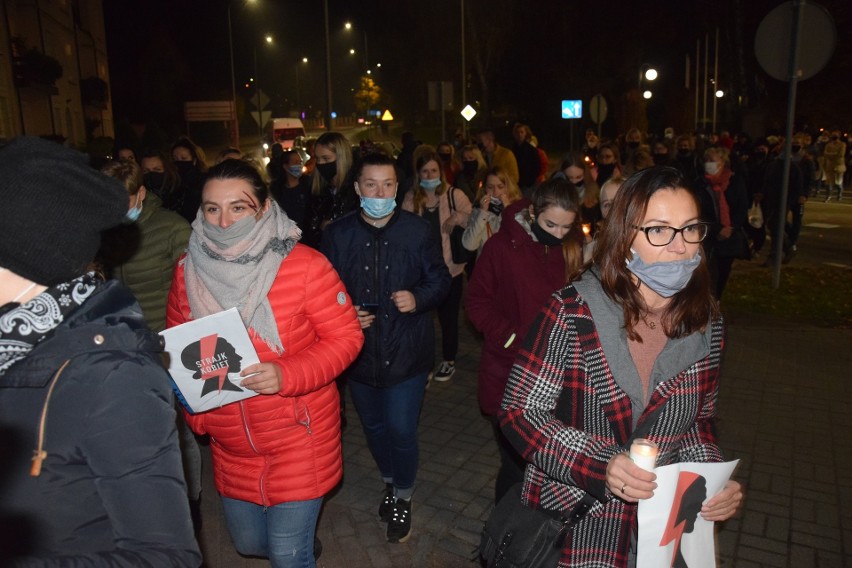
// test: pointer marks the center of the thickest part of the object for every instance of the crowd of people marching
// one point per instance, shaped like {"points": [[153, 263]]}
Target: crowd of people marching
{"points": [[601, 273]]}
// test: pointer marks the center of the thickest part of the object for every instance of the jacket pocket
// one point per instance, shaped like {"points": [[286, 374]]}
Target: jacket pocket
{"points": [[301, 414]]}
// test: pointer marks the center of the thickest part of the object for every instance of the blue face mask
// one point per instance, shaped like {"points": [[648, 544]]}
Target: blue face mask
{"points": [[295, 171], [664, 278], [378, 207], [430, 184], [132, 215]]}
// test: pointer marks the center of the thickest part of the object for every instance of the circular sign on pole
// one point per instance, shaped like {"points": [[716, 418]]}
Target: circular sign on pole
{"points": [[817, 40], [597, 109]]}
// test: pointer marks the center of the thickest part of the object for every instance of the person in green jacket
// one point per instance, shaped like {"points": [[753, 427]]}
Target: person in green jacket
{"points": [[142, 253]]}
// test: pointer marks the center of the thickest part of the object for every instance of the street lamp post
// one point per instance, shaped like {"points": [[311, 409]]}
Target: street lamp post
{"points": [[327, 70], [257, 92], [235, 127], [298, 96]]}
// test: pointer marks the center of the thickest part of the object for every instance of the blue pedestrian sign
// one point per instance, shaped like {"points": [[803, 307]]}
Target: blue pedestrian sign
{"points": [[572, 109]]}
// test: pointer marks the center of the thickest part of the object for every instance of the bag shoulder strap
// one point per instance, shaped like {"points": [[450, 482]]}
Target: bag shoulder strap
{"points": [[451, 198]]}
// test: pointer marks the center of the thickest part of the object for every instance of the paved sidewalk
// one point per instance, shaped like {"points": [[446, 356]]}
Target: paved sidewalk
{"points": [[783, 411]]}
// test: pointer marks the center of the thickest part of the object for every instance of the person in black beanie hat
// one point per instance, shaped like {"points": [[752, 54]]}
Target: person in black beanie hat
{"points": [[89, 456]]}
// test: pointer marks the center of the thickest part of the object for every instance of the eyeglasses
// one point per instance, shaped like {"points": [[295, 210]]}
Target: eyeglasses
{"points": [[661, 235]]}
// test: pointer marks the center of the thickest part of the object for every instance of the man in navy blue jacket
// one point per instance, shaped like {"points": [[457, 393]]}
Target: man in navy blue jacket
{"points": [[394, 271]]}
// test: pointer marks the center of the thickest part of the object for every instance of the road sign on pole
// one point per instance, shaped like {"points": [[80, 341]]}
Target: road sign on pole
{"points": [[259, 98], [261, 118], [572, 109]]}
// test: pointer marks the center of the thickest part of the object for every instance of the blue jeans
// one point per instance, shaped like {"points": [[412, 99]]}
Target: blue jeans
{"points": [[389, 417], [284, 533]]}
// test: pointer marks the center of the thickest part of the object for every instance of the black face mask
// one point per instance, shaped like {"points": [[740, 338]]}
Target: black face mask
{"points": [[660, 159], [605, 172], [633, 145], [470, 167], [684, 153], [544, 237], [185, 169], [155, 181], [327, 171], [446, 158]]}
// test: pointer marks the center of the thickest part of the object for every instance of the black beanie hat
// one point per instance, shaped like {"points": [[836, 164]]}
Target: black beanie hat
{"points": [[53, 207]]}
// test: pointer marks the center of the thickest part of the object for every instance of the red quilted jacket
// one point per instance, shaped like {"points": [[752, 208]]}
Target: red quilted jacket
{"points": [[271, 449]]}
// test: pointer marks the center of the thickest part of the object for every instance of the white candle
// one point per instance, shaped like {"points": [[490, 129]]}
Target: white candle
{"points": [[644, 453]]}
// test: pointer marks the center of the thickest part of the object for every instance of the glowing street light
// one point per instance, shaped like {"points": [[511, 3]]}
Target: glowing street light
{"points": [[647, 95], [348, 25], [720, 93], [352, 51], [650, 74]]}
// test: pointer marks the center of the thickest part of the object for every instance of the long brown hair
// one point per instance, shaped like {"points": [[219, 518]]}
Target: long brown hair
{"points": [[690, 309], [422, 156], [558, 192], [592, 192]]}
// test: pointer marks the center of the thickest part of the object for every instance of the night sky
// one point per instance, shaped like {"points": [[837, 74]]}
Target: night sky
{"points": [[534, 54]]}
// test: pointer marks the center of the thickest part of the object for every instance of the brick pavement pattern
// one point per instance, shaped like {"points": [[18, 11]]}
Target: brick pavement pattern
{"points": [[782, 411]]}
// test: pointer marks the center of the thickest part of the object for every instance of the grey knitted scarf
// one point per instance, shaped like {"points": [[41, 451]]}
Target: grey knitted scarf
{"points": [[240, 276]]}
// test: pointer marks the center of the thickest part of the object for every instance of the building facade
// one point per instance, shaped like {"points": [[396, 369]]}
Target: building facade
{"points": [[54, 76]]}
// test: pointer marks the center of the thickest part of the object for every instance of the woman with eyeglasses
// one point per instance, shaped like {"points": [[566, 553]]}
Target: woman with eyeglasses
{"points": [[636, 331]]}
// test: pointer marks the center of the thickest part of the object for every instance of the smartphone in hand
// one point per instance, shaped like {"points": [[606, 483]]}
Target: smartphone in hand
{"points": [[369, 307]]}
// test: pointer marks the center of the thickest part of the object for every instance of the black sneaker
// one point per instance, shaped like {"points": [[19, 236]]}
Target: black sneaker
{"points": [[445, 371], [386, 506], [399, 525]]}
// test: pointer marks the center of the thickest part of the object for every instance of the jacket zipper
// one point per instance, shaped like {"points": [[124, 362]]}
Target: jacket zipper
{"points": [[40, 455], [377, 364], [307, 421], [254, 449]]}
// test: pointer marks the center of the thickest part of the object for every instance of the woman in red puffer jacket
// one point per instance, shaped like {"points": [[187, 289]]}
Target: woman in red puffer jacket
{"points": [[275, 455]]}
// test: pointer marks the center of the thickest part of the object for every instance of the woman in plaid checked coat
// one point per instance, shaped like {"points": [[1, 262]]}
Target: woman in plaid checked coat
{"points": [[638, 329]]}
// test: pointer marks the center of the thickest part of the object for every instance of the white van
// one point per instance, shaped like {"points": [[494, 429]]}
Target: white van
{"points": [[286, 130]]}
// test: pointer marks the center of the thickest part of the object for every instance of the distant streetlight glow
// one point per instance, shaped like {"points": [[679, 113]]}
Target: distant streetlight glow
{"points": [[304, 60], [268, 38], [348, 25], [351, 52], [378, 64], [647, 95], [651, 74], [720, 93]]}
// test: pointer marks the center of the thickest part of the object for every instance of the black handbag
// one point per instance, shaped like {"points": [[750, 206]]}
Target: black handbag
{"points": [[460, 254], [516, 536]]}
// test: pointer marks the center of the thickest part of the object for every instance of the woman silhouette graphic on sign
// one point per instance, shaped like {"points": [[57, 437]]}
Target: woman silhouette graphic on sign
{"points": [[212, 357], [690, 494]]}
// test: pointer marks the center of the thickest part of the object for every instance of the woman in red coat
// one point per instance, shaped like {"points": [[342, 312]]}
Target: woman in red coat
{"points": [[519, 268], [275, 455]]}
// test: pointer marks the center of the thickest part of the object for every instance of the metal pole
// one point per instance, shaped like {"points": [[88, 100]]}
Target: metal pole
{"points": [[464, 75], [366, 54], [327, 70], [235, 127], [715, 78], [706, 53], [781, 209], [697, 78], [259, 110]]}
